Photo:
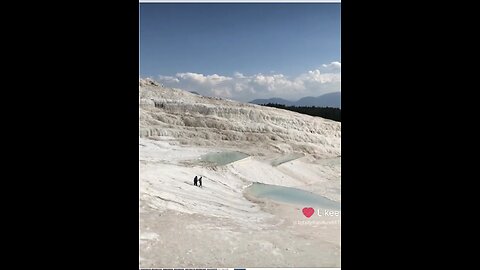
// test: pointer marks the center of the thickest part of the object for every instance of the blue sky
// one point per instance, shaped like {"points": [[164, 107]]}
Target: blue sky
{"points": [[242, 51]]}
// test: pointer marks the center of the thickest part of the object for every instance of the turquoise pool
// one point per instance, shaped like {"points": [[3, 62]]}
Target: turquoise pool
{"points": [[223, 158], [291, 195]]}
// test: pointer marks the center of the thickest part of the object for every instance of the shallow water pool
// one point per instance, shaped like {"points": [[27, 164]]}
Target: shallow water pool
{"points": [[291, 196], [223, 158], [286, 158]]}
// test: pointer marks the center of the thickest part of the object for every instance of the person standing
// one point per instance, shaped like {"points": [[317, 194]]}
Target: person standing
{"points": [[200, 181], [195, 180]]}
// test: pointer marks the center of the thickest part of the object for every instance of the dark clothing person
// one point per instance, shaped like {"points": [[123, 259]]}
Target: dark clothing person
{"points": [[200, 181], [195, 180]]}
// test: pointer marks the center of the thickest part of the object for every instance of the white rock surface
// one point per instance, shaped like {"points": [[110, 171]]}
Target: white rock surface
{"points": [[198, 120], [182, 225]]}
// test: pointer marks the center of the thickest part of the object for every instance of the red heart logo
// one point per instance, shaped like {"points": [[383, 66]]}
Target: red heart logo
{"points": [[308, 211]]}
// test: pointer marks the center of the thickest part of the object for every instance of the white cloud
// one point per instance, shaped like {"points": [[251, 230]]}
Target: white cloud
{"points": [[238, 75], [168, 79], [243, 87], [319, 77], [202, 79], [332, 67]]}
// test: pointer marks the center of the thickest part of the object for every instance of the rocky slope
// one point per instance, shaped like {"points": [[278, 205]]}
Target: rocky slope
{"points": [[199, 120], [219, 224]]}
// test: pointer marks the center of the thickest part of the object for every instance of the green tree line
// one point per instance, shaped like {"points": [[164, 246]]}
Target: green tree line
{"points": [[325, 112]]}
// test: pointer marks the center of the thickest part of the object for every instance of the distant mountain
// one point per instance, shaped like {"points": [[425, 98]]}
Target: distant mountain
{"points": [[273, 100], [327, 100]]}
